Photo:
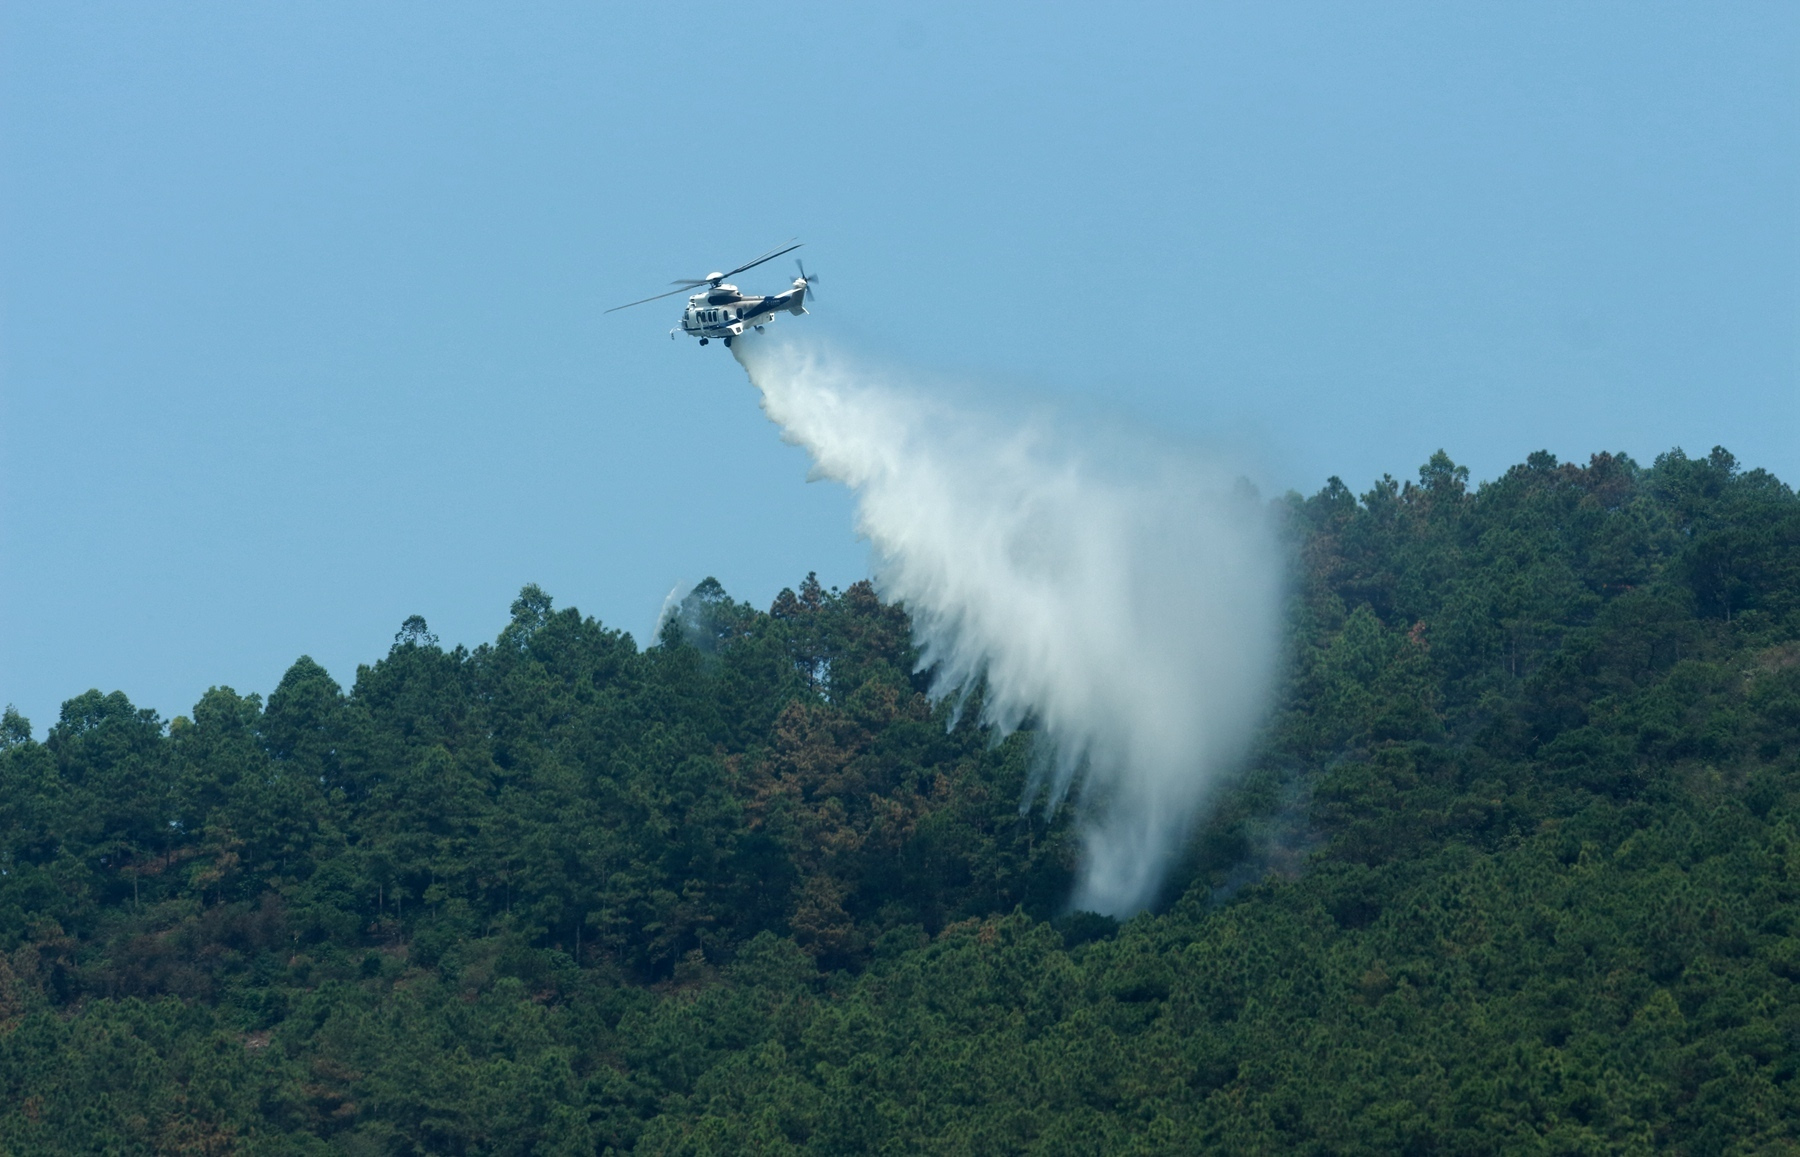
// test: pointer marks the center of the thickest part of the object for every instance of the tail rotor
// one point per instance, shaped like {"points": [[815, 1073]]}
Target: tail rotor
{"points": [[810, 281]]}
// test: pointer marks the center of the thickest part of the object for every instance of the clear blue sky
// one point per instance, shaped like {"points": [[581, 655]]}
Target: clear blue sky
{"points": [[300, 305]]}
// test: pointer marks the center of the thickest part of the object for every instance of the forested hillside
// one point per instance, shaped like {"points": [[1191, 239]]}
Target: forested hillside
{"points": [[1515, 867]]}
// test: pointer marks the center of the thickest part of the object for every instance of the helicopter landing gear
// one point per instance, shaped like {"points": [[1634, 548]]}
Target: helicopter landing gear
{"points": [[759, 329], [727, 342], [703, 341]]}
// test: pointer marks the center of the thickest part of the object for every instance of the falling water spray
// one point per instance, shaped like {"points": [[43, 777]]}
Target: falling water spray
{"points": [[1120, 593]]}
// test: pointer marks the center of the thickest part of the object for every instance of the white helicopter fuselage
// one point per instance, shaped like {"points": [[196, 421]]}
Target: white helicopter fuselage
{"points": [[722, 312]]}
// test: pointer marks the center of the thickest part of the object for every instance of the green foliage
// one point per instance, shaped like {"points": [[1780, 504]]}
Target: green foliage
{"points": [[1515, 867]]}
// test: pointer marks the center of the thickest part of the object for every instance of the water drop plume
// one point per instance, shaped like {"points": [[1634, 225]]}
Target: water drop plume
{"points": [[1120, 592]]}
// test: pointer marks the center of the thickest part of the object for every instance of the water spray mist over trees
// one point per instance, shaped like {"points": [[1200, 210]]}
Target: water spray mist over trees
{"points": [[1117, 596]]}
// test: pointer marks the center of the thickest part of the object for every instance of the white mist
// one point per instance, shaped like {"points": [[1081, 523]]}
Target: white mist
{"points": [[1121, 593]]}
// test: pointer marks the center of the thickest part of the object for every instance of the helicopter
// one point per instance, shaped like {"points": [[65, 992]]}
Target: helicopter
{"points": [[720, 311]]}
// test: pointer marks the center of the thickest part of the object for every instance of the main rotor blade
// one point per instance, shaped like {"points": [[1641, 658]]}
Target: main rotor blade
{"points": [[658, 297], [693, 283], [770, 256]]}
